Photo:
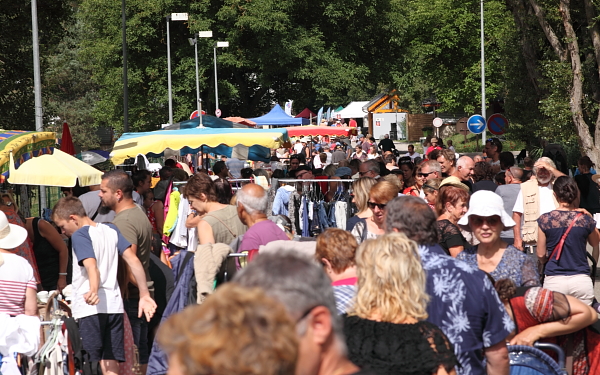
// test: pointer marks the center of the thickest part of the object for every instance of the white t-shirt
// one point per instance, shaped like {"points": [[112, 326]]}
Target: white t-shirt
{"points": [[546, 197], [16, 275], [103, 242], [317, 162], [413, 156], [298, 148]]}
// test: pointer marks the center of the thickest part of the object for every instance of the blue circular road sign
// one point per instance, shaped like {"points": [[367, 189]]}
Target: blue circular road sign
{"points": [[476, 124]]}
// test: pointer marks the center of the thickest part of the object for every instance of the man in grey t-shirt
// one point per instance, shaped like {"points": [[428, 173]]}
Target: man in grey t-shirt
{"points": [[93, 208]]}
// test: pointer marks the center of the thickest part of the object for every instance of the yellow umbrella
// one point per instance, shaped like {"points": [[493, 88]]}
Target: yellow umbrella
{"points": [[58, 169]]}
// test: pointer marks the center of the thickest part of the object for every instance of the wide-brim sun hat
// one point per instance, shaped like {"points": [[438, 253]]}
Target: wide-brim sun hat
{"points": [[485, 203], [454, 181], [11, 235]]}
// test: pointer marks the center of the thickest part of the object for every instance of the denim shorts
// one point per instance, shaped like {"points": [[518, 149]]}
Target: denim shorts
{"points": [[102, 336]]}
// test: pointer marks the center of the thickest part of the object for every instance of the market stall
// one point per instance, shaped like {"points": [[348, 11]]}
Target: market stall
{"points": [[278, 117], [24, 145], [305, 131], [250, 144], [56, 169]]}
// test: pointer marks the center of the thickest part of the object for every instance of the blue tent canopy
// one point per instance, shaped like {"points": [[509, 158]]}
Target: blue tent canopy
{"points": [[278, 117]]}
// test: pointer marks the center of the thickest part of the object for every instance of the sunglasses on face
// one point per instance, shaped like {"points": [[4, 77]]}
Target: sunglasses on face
{"points": [[478, 221], [421, 174], [372, 205]]}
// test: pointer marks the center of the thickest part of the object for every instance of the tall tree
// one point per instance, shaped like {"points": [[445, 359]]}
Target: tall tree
{"points": [[16, 56], [69, 93]]}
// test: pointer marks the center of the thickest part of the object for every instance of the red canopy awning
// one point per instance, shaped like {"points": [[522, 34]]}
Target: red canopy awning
{"points": [[303, 131], [306, 113], [240, 120]]}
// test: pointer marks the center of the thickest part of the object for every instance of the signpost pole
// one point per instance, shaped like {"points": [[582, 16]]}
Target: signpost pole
{"points": [[482, 75]]}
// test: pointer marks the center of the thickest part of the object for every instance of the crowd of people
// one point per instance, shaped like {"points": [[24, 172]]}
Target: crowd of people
{"points": [[444, 261]]}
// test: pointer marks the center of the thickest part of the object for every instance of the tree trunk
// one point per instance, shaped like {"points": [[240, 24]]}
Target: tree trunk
{"points": [[590, 12], [576, 92], [550, 34]]}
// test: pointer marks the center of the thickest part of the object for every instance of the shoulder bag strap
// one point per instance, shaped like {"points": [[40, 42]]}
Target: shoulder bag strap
{"points": [[97, 210], [559, 246], [226, 226]]}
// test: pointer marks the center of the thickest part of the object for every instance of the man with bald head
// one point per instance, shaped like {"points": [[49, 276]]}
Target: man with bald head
{"points": [[464, 170], [251, 208]]}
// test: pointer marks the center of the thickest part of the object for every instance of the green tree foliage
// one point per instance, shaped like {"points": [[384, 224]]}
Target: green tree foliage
{"points": [[16, 56], [317, 53], [69, 93]]}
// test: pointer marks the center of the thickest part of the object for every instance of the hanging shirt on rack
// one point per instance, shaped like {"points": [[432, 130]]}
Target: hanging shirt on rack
{"points": [[341, 214], [179, 237], [282, 200], [171, 218], [294, 211], [305, 220]]}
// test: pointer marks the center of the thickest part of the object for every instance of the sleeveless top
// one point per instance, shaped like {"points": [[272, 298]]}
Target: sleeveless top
{"points": [[226, 224], [46, 257]]}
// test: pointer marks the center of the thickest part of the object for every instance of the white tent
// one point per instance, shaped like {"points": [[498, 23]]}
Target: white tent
{"points": [[353, 110]]}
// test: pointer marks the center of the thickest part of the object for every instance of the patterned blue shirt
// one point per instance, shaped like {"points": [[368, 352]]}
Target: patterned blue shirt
{"points": [[514, 265], [344, 294], [465, 305]]}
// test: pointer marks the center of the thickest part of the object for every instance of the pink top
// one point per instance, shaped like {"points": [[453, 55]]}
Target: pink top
{"points": [[348, 281]]}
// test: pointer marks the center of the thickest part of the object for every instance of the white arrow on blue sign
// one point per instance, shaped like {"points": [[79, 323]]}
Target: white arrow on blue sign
{"points": [[476, 124]]}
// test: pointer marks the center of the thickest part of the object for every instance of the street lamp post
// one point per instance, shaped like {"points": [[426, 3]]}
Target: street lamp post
{"points": [[217, 45], [194, 42], [174, 17]]}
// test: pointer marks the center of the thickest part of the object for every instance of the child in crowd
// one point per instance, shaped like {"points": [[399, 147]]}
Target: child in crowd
{"points": [[97, 302]]}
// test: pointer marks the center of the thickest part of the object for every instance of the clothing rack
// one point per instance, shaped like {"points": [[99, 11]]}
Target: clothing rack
{"points": [[288, 180]]}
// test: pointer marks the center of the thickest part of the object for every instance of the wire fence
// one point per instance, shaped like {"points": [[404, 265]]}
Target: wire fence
{"points": [[27, 198]]}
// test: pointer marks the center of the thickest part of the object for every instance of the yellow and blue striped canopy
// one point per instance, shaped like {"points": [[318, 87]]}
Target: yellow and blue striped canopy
{"points": [[260, 141]]}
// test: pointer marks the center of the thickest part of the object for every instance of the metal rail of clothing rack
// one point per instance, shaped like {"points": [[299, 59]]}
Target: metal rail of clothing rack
{"points": [[288, 180]]}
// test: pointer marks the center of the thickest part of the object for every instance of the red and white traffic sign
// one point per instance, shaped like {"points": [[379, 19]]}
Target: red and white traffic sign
{"points": [[218, 112], [437, 122], [195, 114], [497, 124]]}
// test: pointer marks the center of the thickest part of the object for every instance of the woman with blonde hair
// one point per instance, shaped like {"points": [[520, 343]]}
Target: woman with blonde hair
{"points": [[361, 188], [386, 330], [379, 196]]}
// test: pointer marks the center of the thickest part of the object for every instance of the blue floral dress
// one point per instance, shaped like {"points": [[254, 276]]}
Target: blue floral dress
{"points": [[514, 265]]}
